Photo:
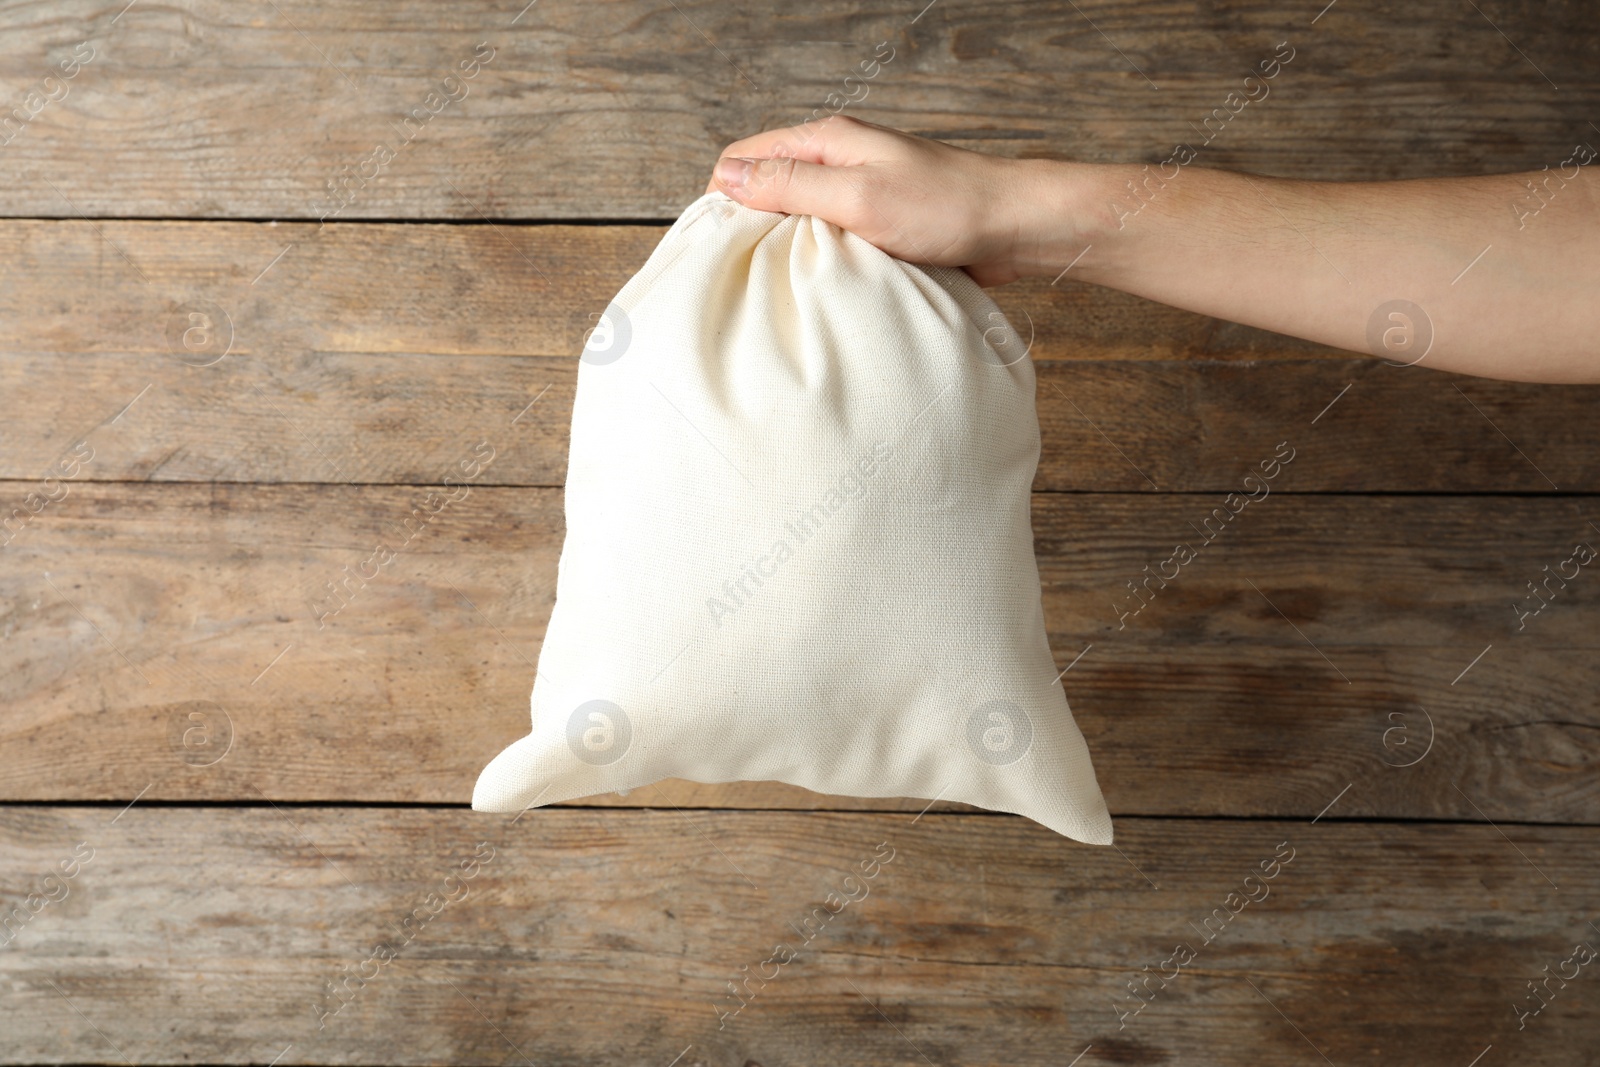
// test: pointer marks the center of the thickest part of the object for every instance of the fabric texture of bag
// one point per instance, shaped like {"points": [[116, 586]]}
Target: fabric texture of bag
{"points": [[798, 541]]}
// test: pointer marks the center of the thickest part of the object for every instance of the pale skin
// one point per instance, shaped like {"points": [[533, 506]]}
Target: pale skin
{"points": [[1317, 260]]}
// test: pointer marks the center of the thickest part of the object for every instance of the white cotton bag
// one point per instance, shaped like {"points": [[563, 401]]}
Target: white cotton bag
{"points": [[798, 543]]}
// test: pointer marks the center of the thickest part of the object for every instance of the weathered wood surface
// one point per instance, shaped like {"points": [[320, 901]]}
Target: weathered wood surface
{"points": [[474, 290], [589, 937], [1328, 658], [617, 110], [1136, 426], [133, 607], [364, 350]]}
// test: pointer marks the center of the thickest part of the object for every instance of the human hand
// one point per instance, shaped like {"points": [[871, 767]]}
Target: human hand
{"points": [[1247, 248], [917, 199]]}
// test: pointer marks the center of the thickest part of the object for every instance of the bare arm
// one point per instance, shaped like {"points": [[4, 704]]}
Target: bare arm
{"points": [[1494, 276]]}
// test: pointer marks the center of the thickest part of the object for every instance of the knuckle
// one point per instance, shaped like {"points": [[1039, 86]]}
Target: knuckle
{"points": [[773, 173]]}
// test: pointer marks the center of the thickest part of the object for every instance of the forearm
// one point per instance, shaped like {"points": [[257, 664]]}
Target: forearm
{"points": [[1320, 259]]}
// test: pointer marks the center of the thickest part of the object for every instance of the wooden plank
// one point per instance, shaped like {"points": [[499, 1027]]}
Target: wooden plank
{"points": [[127, 287], [135, 608], [317, 376], [1106, 426], [617, 110], [587, 938]]}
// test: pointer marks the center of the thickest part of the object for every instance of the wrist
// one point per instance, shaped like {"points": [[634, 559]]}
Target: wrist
{"points": [[1069, 214], [1059, 209]]}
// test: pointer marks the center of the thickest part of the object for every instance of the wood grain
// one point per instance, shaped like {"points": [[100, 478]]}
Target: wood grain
{"points": [[1137, 426], [607, 937], [362, 351], [1339, 656], [133, 608], [486, 290], [618, 110]]}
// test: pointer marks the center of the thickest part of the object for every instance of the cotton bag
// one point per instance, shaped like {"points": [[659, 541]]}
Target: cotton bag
{"points": [[798, 544]]}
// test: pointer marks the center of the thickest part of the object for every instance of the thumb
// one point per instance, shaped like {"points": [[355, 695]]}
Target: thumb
{"points": [[784, 184]]}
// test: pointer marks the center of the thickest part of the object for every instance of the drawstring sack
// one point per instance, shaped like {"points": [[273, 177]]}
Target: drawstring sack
{"points": [[798, 544]]}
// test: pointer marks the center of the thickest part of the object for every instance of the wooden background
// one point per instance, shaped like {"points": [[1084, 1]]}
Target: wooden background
{"points": [[263, 802]]}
